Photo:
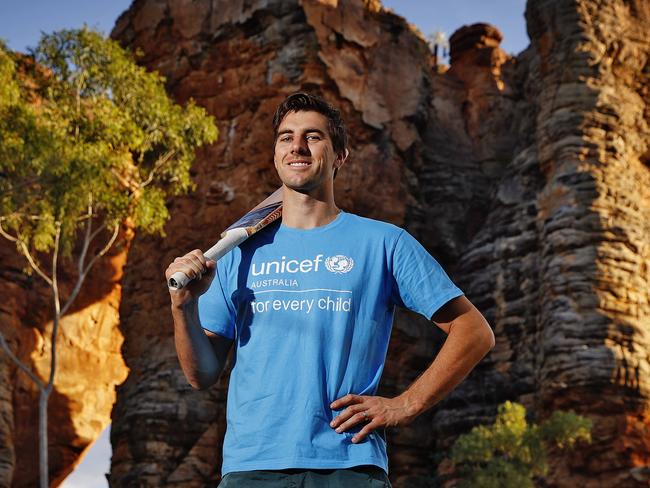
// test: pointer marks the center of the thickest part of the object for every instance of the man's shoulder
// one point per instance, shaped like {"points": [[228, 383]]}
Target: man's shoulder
{"points": [[366, 224]]}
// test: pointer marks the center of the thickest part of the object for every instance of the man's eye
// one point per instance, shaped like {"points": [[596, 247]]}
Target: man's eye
{"points": [[285, 139], [313, 138]]}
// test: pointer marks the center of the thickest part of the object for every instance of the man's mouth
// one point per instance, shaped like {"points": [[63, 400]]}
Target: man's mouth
{"points": [[298, 164]]}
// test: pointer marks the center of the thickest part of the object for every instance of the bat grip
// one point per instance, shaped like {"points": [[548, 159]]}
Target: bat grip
{"points": [[228, 241]]}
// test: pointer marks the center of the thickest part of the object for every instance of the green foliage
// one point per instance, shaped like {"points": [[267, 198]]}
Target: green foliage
{"points": [[9, 91], [511, 452], [86, 127], [564, 429]]}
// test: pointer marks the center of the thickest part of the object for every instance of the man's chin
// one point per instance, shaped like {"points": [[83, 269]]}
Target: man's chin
{"points": [[301, 187]]}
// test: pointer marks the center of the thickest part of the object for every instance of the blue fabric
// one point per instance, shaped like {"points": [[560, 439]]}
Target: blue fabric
{"points": [[311, 313]]}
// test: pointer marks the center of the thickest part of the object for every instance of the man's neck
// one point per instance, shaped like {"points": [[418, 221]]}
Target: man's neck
{"points": [[305, 211]]}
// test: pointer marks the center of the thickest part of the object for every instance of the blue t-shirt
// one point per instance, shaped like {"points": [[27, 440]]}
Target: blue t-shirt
{"points": [[311, 313]]}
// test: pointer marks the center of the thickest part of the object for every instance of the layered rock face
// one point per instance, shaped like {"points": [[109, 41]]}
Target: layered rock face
{"points": [[560, 266], [89, 365], [526, 177], [240, 59], [593, 139]]}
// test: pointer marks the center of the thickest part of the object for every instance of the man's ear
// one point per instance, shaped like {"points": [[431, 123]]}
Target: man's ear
{"points": [[341, 159]]}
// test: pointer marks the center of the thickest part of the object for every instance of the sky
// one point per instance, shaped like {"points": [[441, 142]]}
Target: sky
{"points": [[21, 23]]}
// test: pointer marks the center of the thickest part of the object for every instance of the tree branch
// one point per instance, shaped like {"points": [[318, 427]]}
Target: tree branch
{"points": [[32, 263], [5, 234], [163, 160], [132, 187], [25, 253], [19, 363], [19, 185], [57, 307], [87, 237], [97, 231], [106, 247], [82, 276], [22, 214]]}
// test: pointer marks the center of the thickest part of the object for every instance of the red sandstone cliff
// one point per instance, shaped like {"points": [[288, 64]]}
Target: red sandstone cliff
{"points": [[89, 366], [527, 177], [524, 176]]}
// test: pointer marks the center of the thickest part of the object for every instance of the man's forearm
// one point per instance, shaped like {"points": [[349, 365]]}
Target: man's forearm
{"points": [[469, 340], [201, 362]]}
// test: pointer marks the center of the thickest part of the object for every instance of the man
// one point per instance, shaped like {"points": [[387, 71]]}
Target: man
{"points": [[308, 304]]}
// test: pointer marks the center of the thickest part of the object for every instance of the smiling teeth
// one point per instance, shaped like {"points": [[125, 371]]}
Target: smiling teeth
{"points": [[298, 164]]}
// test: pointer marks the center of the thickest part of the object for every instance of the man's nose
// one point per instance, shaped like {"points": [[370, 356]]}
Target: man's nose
{"points": [[299, 146]]}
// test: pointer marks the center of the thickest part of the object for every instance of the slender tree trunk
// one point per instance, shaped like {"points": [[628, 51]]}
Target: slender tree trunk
{"points": [[42, 436], [45, 392], [46, 389]]}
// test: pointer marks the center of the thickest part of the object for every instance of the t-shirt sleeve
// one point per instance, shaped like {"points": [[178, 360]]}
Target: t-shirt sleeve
{"points": [[420, 283], [216, 310]]}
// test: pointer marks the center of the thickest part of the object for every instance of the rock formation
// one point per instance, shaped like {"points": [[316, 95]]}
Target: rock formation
{"points": [[526, 177], [89, 366]]}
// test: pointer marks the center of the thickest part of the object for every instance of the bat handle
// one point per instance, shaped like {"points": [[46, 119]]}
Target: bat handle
{"points": [[229, 239], [178, 280]]}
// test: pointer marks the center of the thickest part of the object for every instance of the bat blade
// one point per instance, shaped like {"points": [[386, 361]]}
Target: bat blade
{"points": [[267, 211], [258, 213]]}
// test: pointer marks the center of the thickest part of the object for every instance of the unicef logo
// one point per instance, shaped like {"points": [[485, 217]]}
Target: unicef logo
{"points": [[339, 264]]}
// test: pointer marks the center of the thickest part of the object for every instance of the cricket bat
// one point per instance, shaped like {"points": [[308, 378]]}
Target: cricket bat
{"points": [[267, 211]]}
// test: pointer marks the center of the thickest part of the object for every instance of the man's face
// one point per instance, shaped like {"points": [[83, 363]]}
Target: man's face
{"points": [[304, 156]]}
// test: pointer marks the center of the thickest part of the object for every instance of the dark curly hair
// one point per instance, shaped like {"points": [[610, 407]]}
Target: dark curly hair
{"points": [[302, 101]]}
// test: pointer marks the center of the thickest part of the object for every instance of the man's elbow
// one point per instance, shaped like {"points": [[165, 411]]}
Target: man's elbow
{"points": [[202, 381], [486, 336], [479, 333], [491, 340], [198, 385]]}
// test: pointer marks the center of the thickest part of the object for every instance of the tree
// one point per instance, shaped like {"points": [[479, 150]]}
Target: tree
{"points": [[511, 453], [91, 147]]}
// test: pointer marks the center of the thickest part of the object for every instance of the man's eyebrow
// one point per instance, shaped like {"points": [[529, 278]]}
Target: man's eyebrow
{"points": [[314, 129], [308, 130]]}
